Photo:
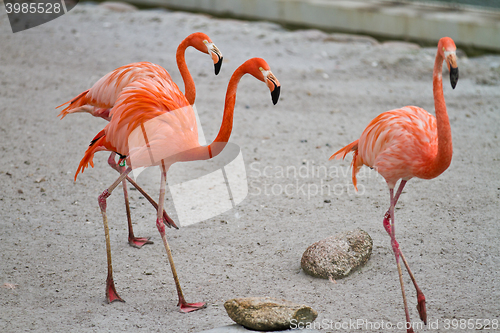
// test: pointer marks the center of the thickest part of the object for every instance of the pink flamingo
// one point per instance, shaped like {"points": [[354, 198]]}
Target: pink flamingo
{"points": [[99, 100], [154, 124], [406, 143]]}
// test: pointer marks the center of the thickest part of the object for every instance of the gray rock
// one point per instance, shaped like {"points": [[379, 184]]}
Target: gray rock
{"points": [[268, 314], [337, 256]]}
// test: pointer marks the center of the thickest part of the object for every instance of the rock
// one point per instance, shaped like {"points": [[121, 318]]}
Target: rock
{"points": [[268, 314], [337, 256], [40, 179]]}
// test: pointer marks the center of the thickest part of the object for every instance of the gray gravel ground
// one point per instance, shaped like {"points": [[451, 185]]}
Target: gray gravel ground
{"points": [[52, 247]]}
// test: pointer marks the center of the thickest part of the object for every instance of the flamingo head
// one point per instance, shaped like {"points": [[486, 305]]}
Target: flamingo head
{"points": [[447, 50], [203, 43], [259, 68]]}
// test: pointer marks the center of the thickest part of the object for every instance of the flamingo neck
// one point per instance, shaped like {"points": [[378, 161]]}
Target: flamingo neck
{"points": [[189, 88], [442, 159], [227, 118], [212, 150]]}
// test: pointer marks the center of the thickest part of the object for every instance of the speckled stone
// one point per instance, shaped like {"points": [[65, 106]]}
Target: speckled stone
{"points": [[337, 256], [268, 314]]}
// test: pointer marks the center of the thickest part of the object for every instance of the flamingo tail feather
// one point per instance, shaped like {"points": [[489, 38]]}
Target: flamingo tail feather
{"points": [[356, 161], [88, 159], [75, 103]]}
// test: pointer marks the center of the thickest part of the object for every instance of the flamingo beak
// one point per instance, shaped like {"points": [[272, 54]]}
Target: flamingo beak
{"points": [[274, 86], [218, 65], [216, 55], [451, 61], [275, 94], [453, 76]]}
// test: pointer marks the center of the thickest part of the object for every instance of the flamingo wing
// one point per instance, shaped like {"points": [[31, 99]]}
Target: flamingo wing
{"points": [[104, 93], [152, 121], [397, 143]]}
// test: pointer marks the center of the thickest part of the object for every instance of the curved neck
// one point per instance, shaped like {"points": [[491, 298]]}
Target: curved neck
{"points": [[442, 159], [227, 118], [189, 88], [212, 150]]}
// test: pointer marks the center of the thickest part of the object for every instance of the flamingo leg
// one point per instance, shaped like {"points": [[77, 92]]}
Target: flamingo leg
{"points": [[112, 163], [111, 294], [184, 306], [137, 242], [395, 248], [420, 295], [168, 221]]}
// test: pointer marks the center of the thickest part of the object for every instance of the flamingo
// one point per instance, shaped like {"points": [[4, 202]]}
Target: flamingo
{"points": [[405, 143], [154, 124], [99, 100]]}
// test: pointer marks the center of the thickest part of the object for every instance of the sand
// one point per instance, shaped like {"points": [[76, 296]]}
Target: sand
{"points": [[52, 249]]}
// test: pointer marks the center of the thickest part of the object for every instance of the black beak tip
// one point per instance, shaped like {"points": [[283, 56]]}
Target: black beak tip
{"points": [[217, 66], [453, 77], [275, 94]]}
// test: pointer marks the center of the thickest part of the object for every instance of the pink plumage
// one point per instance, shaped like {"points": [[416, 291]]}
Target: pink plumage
{"points": [[405, 143], [102, 96], [153, 123], [105, 92], [398, 144]]}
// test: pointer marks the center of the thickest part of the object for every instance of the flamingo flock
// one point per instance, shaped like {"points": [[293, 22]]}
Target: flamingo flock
{"points": [[152, 123], [100, 99]]}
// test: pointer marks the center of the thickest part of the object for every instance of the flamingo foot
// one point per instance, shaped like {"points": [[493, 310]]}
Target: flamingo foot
{"points": [[190, 307], [111, 294], [139, 242], [421, 308]]}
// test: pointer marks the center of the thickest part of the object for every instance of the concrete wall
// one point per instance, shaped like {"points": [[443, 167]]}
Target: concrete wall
{"points": [[398, 20]]}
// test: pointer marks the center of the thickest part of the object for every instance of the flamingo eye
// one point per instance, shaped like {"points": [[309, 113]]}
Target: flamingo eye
{"points": [[205, 41]]}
